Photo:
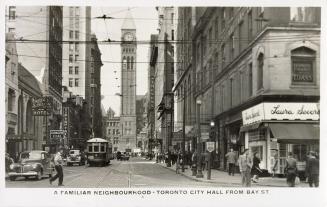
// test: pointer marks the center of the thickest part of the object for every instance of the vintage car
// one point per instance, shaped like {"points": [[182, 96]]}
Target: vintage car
{"points": [[75, 157], [35, 163]]}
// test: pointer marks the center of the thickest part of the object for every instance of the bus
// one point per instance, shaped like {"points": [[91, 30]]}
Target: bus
{"points": [[99, 152]]}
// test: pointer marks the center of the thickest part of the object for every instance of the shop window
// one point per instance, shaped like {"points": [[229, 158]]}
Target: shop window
{"points": [[258, 150], [303, 66], [300, 152]]}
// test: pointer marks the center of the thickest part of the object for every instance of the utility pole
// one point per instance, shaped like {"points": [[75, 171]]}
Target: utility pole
{"points": [[183, 142], [199, 170]]}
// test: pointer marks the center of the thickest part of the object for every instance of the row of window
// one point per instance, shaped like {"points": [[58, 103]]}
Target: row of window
{"points": [[71, 70], [114, 131], [71, 34], [113, 124], [71, 82]]}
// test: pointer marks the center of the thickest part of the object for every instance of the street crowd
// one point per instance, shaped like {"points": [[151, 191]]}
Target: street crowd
{"points": [[248, 165]]}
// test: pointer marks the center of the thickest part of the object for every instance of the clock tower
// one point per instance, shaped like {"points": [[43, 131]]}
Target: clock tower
{"points": [[127, 140]]}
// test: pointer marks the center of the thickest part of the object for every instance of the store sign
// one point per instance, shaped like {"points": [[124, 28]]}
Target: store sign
{"points": [[302, 72], [56, 136], [253, 114], [281, 111], [42, 106], [210, 146]]}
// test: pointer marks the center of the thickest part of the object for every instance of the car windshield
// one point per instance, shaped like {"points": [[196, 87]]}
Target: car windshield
{"points": [[30, 156], [73, 152]]}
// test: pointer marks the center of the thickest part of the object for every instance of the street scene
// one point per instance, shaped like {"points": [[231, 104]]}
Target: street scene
{"points": [[133, 97]]}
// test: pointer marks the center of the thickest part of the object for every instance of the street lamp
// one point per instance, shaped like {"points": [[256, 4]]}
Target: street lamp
{"points": [[211, 137], [199, 170]]}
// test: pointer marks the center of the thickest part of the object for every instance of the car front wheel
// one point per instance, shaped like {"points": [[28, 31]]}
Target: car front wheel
{"points": [[39, 175]]}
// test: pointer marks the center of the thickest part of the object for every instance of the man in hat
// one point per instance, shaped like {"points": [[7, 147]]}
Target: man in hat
{"points": [[245, 163], [312, 169], [58, 166]]}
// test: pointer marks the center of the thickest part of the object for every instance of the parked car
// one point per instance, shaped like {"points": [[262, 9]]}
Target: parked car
{"points": [[75, 157], [35, 163]]}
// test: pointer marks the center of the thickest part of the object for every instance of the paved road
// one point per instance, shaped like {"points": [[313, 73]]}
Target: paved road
{"points": [[119, 174]]}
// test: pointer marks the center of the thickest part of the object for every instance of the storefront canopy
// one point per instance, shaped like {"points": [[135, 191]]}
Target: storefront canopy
{"points": [[250, 127], [295, 133]]}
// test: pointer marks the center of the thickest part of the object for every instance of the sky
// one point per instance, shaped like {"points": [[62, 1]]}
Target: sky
{"points": [[146, 21]]}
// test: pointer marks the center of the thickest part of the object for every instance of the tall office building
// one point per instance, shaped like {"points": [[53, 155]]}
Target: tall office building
{"points": [[77, 29]]}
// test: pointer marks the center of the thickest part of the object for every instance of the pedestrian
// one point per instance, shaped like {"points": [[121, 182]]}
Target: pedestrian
{"points": [[8, 162], [245, 164], [275, 161], [58, 161], [255, 171], [231, 160], [290, 170], [312, 169]]}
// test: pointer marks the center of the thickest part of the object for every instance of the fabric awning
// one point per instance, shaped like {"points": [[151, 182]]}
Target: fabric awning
{"points": [[293, 133], [250, 127]]}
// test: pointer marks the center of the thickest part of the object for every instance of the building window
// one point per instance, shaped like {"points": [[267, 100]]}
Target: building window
{"points": [[76, 58], [11, 99], [250, 26], [70, 82], [70, 70], [132, 63], [92, 102], [76, 46], [172, 35], [231, 91], [76, 82], [77, 23], [71, 11], [71, 46], [12, 12], [210, 37], [260, 71], [223, 56], [76, 70], [303, 65], [232, 46], [92, 82], [250, 80], [240, 37], [12, 30], [77, 11], [109, 131], [223, 18], [128, 62], [76, 34], [216, 28], [71, 22], [172, 18], [70, 58], [71, 34]]}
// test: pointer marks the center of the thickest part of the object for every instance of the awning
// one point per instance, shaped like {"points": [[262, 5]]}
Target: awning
{"points": [[291, 133], [250, 127]]}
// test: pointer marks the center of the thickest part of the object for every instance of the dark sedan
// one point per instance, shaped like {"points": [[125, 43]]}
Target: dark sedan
{"points": [[34, 163]]}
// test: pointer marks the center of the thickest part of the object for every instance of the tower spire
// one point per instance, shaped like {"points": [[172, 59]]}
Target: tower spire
{"points": [[128, 21]]}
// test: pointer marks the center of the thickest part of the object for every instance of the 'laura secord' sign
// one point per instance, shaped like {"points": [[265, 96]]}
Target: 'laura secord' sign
{"points": [[281, 111]]}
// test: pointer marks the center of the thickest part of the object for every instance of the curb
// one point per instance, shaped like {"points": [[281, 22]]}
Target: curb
{"points": [[198, 180], [219, 182]]}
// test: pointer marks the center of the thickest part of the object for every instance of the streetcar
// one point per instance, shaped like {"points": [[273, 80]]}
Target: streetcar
{"points": [[99, 152]]}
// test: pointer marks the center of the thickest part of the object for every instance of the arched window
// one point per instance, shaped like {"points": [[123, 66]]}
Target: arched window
{"points": [[128, 62], [303, 66], [20, 114], [260, 71], [132, 63], [29, 118]]}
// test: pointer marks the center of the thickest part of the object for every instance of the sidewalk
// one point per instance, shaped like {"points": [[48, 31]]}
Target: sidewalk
{"points": [[221, 177]]}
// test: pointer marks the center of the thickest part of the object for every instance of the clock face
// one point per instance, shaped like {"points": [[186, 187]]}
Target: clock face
{"points": [[128, 37]]}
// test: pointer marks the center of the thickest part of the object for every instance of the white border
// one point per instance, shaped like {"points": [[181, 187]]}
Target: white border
{"points": [[276, 197]]}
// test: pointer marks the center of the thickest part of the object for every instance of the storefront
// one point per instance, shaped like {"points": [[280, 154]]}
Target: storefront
{"points": [[275, 129]]}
